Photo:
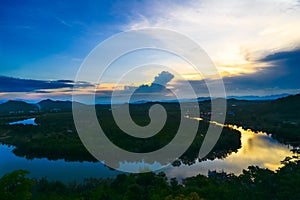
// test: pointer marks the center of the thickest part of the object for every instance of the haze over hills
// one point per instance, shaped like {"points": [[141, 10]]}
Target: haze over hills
{"points": [[280, 103], [252, 97], [248, 97]]}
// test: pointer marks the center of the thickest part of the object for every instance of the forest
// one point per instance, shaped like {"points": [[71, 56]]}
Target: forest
{"points": [[55, 137], [254, 183]]}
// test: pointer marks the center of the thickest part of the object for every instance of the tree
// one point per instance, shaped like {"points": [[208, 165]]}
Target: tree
{"points": [[15, 186]]}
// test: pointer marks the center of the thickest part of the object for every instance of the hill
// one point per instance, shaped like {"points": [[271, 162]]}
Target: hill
{"points": [[17, 107], [54, 106]]}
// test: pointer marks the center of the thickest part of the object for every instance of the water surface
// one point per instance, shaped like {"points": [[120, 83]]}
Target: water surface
{"points": [[257, 149], [53, 170], [30, 121]]}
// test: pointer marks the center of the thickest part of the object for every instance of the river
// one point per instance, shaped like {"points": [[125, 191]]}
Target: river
{"points": [[257, 149]]}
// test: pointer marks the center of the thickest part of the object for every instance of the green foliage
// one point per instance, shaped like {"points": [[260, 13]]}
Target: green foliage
{"points": [[56, 138], [254, 183], [278, 117], [15, 186], [191, 196]]}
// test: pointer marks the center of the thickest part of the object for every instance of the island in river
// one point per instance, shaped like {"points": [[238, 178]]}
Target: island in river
{"points": [[55, 137]]}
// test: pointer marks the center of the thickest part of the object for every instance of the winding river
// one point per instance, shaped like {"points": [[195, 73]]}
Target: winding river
{"points": [[257, 149]]}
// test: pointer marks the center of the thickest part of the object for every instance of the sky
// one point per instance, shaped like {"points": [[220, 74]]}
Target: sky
{"points": [[255, 45]]}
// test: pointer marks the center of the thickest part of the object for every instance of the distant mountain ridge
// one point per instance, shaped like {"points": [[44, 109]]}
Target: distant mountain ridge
{"points": [[21, 107], [11, 107], [199, 99], [253, 97], [48, 105]]}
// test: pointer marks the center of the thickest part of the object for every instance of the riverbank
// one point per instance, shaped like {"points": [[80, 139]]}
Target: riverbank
{"points": [[55, 136], [254, 183]]}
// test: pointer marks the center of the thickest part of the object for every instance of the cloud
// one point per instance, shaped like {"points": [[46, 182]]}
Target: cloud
{"points": [[282, 71], [233, 33], [10, 84], [12, 88], [163, 78], [157, 90], [158, 85], [280, 76]]}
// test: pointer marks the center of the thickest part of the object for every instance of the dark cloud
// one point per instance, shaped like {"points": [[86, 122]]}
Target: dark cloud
{"points": [[157, 90], [65, 81], [163, 78], [285, 67], [9, 84], [292, 56], [158, 85], [153, 88], [281, 75], [282, 72]]}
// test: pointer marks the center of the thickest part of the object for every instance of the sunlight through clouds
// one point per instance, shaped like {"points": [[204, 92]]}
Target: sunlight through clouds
{"points": [[234, 33]]}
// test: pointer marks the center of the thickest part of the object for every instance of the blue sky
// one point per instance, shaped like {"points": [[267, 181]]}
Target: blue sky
{"points": [[44, 35], [255, 46]]}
